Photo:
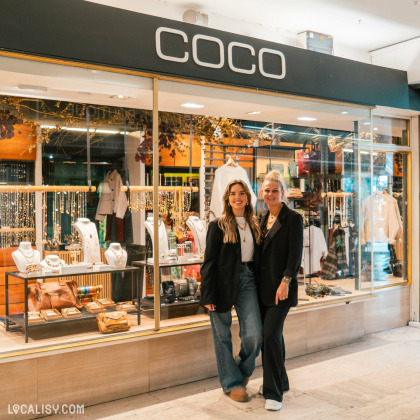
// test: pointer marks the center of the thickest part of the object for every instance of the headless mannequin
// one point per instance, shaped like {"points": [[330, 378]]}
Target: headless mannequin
{"points": [[199, 231], [115, 256], [90, 241], [163, 236], [52, 263], [25, 255]]}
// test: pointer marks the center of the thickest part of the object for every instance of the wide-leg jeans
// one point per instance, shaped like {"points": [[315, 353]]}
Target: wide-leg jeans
{"points": [[232, 373]]}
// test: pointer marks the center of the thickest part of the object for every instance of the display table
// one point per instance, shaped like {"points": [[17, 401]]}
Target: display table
{"points": [[21, 319]]}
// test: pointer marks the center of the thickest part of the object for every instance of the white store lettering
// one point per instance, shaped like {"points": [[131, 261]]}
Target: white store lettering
{"points": [[263, 52]]}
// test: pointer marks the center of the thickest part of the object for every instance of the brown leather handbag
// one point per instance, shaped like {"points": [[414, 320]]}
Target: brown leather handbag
{"points": [[53, 296], [110, 322]]}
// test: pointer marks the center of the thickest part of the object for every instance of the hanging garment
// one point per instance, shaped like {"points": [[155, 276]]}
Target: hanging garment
{"points": [[314, 248], [112, 200], [386, 221], [335, 264], [222, 177]]}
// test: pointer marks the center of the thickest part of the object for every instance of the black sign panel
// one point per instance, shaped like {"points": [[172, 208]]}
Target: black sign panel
{"points": [[86, 32]]}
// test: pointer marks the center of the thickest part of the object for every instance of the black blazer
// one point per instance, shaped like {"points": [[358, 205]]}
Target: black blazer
{"points": [[280, 255], [221, 269]]}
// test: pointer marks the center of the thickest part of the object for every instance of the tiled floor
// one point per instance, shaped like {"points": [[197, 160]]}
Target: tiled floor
{"points": [[375, 378]]}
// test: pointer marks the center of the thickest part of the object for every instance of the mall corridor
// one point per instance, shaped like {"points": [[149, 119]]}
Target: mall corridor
{"points": [[377, 377]]}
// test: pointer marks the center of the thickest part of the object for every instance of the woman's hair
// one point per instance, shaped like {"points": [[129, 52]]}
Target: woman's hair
{"points": [[227, 221], [275, 176]]}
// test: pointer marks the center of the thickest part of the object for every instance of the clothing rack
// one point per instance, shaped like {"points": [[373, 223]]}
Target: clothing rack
{"points": [[148, 188]]}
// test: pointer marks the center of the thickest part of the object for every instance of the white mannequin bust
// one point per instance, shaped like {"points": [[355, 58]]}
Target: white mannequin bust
{"points": [[25, 255], [163, 236], [199, 230], [90, 240], [52, 263], [115, 256]]}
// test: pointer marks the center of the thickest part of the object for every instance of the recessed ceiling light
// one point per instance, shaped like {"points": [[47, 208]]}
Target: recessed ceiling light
{"points": [[192, 105], [254, 112], [33, 87], [119, 97], [376, 128], [306, 118], [366, 123], [344, 112]]}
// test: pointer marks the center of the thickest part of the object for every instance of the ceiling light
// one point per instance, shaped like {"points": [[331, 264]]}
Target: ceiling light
{"points": [[254, 112], [192, 105], [33, 88], [119, 97], [366, 123], [348, 150], [344, 112], [306, 118], [376, 128]]}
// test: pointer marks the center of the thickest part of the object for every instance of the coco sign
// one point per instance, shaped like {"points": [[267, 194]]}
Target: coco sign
{"points": [[263, 54]]}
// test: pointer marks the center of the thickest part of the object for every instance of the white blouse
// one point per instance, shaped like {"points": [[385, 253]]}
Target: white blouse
{"points": [[247, 240]]}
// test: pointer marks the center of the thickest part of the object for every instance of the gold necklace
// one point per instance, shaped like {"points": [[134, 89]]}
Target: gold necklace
{"points": [[243, 228]]}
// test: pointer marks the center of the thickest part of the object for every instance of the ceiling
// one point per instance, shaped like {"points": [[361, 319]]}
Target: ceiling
{"points": [[357, 26]]}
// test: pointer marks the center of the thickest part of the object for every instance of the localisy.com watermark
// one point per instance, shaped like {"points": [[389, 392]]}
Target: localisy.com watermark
{"points": [[46, 409]]}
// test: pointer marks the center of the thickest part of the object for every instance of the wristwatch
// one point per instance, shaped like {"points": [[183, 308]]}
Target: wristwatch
{"points": [[286, 279]]}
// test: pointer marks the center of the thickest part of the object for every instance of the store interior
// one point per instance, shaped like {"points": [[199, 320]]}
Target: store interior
{"points": [[87, 140]]}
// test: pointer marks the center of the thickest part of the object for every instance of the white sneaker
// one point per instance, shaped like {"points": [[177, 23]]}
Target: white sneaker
{"points": [[273, 405], [260, 390]]}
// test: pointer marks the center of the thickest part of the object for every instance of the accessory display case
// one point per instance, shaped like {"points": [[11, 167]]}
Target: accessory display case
{"points": [[21, 319]]}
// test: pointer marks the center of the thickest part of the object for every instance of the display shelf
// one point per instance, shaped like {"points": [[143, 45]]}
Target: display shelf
{"points": [[22, 318], [19, 319], [148, 303]]}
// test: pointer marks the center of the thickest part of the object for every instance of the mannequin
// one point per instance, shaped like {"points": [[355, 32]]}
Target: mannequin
{"points": [[199, 230], [90, 241], [115, 256], [163, 236], [52, 263], [25, 255]]}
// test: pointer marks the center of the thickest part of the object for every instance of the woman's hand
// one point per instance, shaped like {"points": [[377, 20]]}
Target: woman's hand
{"points": [[282, 292], [211, 307]]}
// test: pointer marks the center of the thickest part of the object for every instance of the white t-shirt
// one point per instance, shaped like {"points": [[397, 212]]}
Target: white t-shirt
{"points": [[247, 241]]}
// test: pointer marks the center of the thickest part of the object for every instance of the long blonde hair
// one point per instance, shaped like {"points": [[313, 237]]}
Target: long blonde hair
{"points": [[227, 221]]}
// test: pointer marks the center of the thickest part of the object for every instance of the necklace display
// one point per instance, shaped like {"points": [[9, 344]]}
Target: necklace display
{"points": [[119, 256], [199, 229], [29, 256], [90, 242], [50, 264]]}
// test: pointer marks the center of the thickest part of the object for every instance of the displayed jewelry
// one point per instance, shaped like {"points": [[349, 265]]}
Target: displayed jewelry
{"points": [[28, 255], [90, 240], [118, 255], [199, 230]]}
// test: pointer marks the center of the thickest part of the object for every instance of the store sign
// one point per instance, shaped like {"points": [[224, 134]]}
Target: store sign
{"points": [[254, 59], [111, 37]]}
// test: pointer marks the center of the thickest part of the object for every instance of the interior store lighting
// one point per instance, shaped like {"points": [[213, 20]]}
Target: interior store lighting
{"points": [[84, 130], [119, 97], [191, 105], [344, 112], [254, 112], [306, 118]]}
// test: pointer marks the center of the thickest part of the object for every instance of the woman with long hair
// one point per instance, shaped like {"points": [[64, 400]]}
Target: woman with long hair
{"points": [[227, 279], [278, 264]]}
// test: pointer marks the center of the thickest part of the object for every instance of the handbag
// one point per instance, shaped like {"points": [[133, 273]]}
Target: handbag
{"points": [[53, 296], [293, 193], [110, 322], [309, 161]]}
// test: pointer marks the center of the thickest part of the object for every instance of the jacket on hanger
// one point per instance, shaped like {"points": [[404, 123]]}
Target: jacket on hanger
{"points": [[336, 263], [386, 221], [222, 177], [314, 250], [113, 199]]}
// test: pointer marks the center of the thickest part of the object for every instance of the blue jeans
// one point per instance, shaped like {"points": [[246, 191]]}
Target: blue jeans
{"points": [[231, 373]]}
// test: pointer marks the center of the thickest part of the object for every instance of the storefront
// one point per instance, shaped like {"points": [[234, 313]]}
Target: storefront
{"points": [[81, 117]]}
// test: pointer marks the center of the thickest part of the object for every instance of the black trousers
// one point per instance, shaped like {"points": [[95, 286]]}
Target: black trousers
{"points": [[275, 380]]}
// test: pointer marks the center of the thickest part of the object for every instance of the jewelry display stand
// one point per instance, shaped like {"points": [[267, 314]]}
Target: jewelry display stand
{"points": [[115, 256], [88, 233], [163, 236], [199, 230], [25, 255], [52, 263]]}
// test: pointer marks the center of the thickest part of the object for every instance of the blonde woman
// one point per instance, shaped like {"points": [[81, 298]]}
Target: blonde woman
{"points": [[227, 279], [278, 263]]}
